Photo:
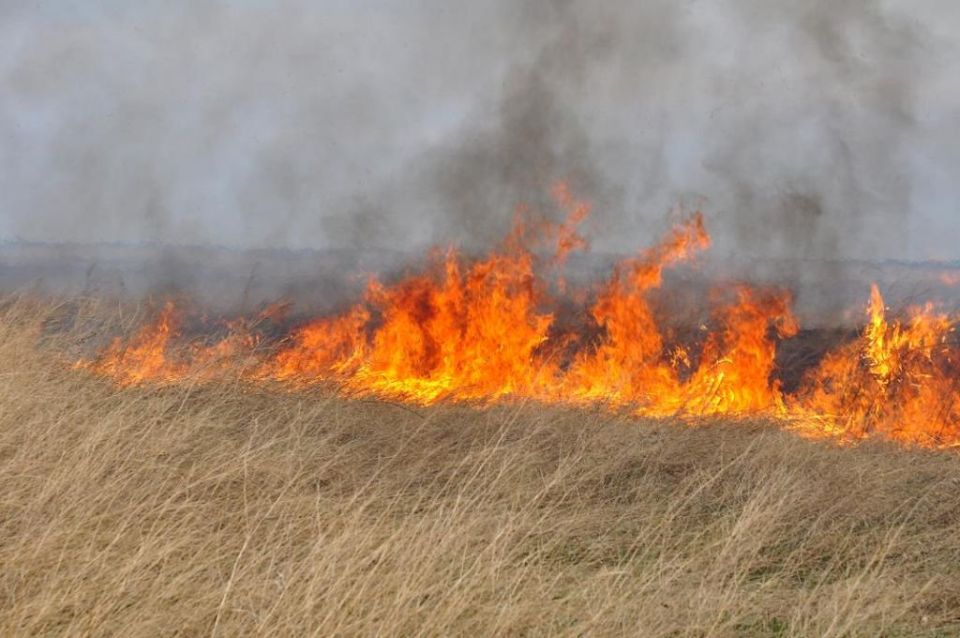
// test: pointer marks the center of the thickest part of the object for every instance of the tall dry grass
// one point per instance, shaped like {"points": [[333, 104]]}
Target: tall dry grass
{"points": [[225, 510]]}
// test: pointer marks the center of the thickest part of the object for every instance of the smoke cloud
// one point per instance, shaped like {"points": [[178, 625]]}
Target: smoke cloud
{"points": [[822, 130]]}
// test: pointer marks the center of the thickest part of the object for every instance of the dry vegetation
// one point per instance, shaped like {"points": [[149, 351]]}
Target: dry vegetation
{"points": [[225, 510]]}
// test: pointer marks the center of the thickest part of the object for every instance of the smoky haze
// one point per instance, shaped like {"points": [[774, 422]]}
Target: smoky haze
{"points": [[822, 129]]}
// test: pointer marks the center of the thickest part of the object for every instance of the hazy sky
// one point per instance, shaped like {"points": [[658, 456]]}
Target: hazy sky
{"points": [[818, 129]]}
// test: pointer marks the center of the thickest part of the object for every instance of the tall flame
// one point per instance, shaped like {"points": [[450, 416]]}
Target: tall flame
{"points": [[898, 381], [486, 330], [628, 366]]}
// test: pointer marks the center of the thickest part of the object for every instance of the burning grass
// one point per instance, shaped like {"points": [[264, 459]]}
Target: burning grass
{"points": [[508, 328], [216, 506]]}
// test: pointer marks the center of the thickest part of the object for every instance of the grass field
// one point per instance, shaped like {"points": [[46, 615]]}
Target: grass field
{"points": [[225, 510]]}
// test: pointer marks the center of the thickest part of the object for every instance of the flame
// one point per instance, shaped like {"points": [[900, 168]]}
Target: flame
{"points": [[740, 357], [486, 330], [897, 381], [144, 357], [628, 365], [950, 277], [151, 355]]}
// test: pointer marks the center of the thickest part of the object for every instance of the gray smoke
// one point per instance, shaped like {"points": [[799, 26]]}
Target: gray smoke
{"points": [[820, 130]]}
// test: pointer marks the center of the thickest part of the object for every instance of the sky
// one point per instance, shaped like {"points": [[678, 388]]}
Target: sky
{"points": [[820, 129]]}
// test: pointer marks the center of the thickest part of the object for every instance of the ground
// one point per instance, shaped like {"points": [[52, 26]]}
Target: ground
{"points": [[221, 509]]}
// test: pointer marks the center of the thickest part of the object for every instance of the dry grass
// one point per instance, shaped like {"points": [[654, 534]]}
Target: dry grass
{"points": [[221, 510]]}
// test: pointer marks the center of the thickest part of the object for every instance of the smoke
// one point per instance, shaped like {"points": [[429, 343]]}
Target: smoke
{"points": [[817, 130], [793, 123], [826, 169]]}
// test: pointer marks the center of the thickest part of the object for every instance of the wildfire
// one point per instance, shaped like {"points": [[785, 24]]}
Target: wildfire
{"points": [[487, 330], [151, 355], [898, 381]]}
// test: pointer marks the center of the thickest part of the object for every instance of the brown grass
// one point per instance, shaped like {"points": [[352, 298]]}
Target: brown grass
{"points": [[221, 510]]}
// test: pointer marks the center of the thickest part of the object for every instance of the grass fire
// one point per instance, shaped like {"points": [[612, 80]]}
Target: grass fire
{"points": [[487, 330], [541, 318], [241, 487]]}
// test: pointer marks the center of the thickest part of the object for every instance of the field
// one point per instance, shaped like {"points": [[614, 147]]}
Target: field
{"points": [[224, 509]]}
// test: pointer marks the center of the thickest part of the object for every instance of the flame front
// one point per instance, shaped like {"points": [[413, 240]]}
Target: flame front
{"points": [[897, 381], [144, 358], [487, 330]]}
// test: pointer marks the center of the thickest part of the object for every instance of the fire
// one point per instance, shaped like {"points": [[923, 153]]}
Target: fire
{"points": [[950, 277], [899, 381], [467, 331], [741, 357], [144, 357], [150, 355], [496, 329], [628, 366]]}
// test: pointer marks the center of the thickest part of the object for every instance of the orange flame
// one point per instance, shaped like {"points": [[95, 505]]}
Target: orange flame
{"points": [[628, 365], [740, 357], [486, 330], [898, 381], [950, 277], [144, 358]]}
